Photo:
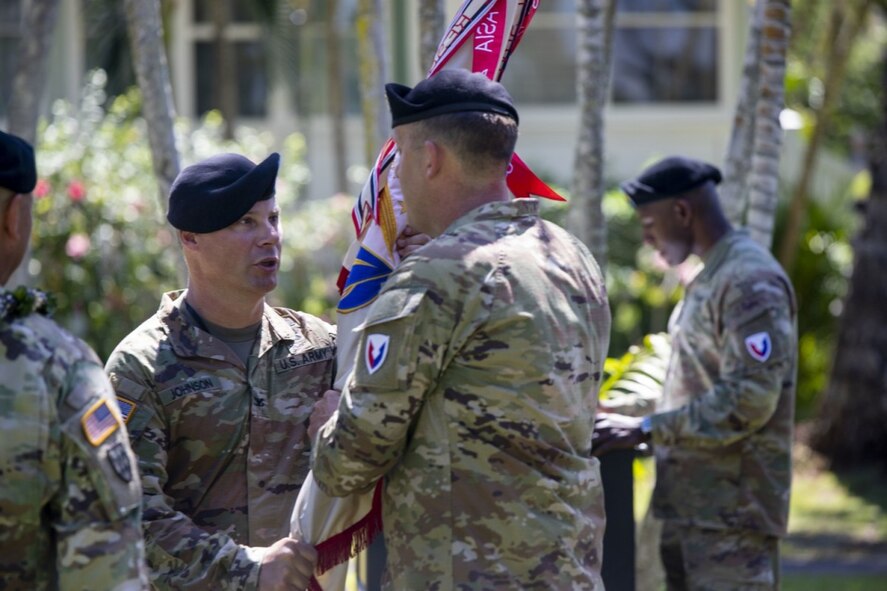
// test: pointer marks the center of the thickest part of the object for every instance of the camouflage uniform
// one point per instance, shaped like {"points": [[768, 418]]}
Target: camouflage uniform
{"points": [[223, 449], [480, 412], [723, 438], [69, 490]]}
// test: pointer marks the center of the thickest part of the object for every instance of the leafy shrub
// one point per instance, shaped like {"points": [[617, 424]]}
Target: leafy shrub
{"points": [[101, 244]]}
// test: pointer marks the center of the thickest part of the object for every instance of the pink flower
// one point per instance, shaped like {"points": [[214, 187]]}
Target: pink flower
{"points": [[77, 246], [76, 191], [42, 189]]}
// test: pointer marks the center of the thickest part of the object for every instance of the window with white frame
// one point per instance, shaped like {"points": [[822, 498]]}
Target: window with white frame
{"points": [[664, 52], [294, 46], [248, 48]]}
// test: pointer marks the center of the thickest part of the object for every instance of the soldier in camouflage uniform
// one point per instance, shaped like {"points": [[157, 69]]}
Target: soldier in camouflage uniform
{"points": [[70, 496], [722, 436], [217, 389], [475, 388]]}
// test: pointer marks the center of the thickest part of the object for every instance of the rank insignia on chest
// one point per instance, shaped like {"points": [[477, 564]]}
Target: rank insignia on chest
{"points": [[376, 351], [759, 346], [99, 422]]}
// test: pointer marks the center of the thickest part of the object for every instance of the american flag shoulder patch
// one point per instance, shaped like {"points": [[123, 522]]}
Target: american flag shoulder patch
{"points": [[126, 408], [99, 422]]}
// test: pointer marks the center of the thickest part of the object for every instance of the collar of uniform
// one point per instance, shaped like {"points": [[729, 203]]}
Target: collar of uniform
{"points": [[188, 340], [185, 337], [274, 330], [718, 253], [498, 210]]}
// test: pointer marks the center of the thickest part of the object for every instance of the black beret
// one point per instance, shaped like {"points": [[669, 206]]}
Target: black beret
{"points": [[449, 91], [18, 171], [215, 193], [669, 177]]}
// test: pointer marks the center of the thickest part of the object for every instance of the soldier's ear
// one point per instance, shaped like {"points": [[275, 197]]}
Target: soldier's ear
{"points": [[187, 239], [13, 212], [683, 212], [433, 158]]}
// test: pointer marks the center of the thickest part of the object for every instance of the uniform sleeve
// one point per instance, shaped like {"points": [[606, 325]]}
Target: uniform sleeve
{"points": [[398, 360], [96, 513], [180, 554], [757, 341]]}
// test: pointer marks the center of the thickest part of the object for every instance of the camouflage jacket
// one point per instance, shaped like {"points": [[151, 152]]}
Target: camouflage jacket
{"points": [[723, 438], [69, 490], [474, 394], [222, 448]]}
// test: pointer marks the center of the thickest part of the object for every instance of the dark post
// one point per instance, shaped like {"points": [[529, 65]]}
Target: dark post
{"points": [[376, 556], [617, 477]]}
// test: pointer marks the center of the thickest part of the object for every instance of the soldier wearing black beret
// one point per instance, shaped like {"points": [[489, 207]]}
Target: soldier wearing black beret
{"points": [[475, 383], [722, 433], [70, 497], [217, 390], [18, 176]]}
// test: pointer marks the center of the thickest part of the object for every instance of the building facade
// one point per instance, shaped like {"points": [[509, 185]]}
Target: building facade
{"points": [[675, 78]]}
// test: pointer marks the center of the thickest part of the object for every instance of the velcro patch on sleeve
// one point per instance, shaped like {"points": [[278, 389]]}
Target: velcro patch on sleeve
{"points": [[127, 407], [759, 346], [99, 422]]}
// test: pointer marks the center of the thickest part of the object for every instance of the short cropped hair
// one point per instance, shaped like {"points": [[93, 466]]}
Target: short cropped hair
{"points": [[483, 142]]}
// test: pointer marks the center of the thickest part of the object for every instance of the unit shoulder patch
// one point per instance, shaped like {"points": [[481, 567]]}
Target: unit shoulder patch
{"points": [[759, 346], [376, 351]]}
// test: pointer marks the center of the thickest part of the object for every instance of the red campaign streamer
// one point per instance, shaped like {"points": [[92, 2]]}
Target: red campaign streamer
{"points": [[489, 35], [522, 182]]}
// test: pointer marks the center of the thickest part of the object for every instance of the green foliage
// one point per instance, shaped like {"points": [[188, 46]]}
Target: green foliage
{"points": [[633, 383], [820, 277], [858, 105], [101, 244]]}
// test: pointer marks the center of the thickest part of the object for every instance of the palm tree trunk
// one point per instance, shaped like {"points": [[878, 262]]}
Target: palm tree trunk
{"points": [[29, 79], [734, 190], [844, 30], [595, 41], [146, 38], [336, 95], [373, 76], [28, 83], [431, 30], [850, 428], [764, 182], [224, 80]]}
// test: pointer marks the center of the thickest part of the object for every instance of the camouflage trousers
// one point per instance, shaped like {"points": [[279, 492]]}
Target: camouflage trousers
{"points": [[718, 560]]}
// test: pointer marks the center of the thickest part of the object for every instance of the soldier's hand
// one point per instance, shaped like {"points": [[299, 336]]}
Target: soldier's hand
{"points": [[322, 412], [410, 241], [613, 431], [287, 566]]}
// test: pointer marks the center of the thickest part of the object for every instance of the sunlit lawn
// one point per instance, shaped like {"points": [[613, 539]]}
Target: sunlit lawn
{"points": [[837, 526]]}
